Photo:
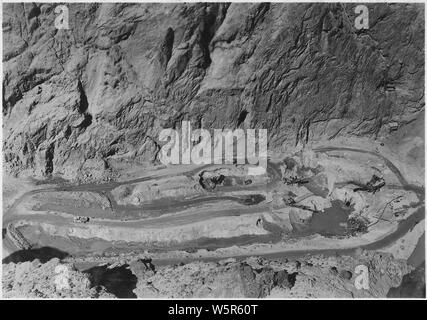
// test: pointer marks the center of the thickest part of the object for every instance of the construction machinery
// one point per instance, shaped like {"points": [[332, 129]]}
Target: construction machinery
{"points": [[81, 219], [373, 185], [295, 180]]}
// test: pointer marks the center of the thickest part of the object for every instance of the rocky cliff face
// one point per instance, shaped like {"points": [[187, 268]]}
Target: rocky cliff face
{"points": [[41, 280], [307, 277], [85, 101]]}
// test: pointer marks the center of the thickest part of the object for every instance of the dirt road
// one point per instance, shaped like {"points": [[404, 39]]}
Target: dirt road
{"points": [[168, 220]]}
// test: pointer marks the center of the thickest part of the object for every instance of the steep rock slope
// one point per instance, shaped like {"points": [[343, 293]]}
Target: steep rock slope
{"points": [[84, 102], [308, 277], [42, 280]]}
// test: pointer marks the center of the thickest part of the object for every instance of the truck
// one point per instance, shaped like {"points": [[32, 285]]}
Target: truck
{"points": [[81, 219]]}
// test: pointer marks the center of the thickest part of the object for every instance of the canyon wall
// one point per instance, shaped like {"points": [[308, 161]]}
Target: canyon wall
{"points": [[88, 100]]}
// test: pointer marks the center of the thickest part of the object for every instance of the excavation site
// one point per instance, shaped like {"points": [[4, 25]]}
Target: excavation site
{"points": [[213, 150]]}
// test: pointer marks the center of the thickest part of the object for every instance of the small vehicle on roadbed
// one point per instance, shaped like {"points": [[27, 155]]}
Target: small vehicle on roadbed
{"points": [[80, 219]]}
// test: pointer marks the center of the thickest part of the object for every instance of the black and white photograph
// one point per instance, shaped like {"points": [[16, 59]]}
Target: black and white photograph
{"points": [[213, 150]]}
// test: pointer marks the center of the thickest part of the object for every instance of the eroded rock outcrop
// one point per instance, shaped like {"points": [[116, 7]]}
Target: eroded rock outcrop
{"points": [[307, 277], [314, 276], [41, 280]]}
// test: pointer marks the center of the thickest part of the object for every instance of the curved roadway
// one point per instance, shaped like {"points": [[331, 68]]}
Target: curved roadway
{"points": [[403, 227]]}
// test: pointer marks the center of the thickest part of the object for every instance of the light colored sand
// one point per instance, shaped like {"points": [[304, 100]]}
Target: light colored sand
{"points": [[403, 248]]}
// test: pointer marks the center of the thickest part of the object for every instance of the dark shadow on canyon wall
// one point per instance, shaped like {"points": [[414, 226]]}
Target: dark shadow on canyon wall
{"points": [[44, 254], [119, 281], [413, 285]]}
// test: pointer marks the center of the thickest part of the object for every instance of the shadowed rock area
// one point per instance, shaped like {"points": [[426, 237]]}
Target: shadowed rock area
{"points": [[307, 277]]}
